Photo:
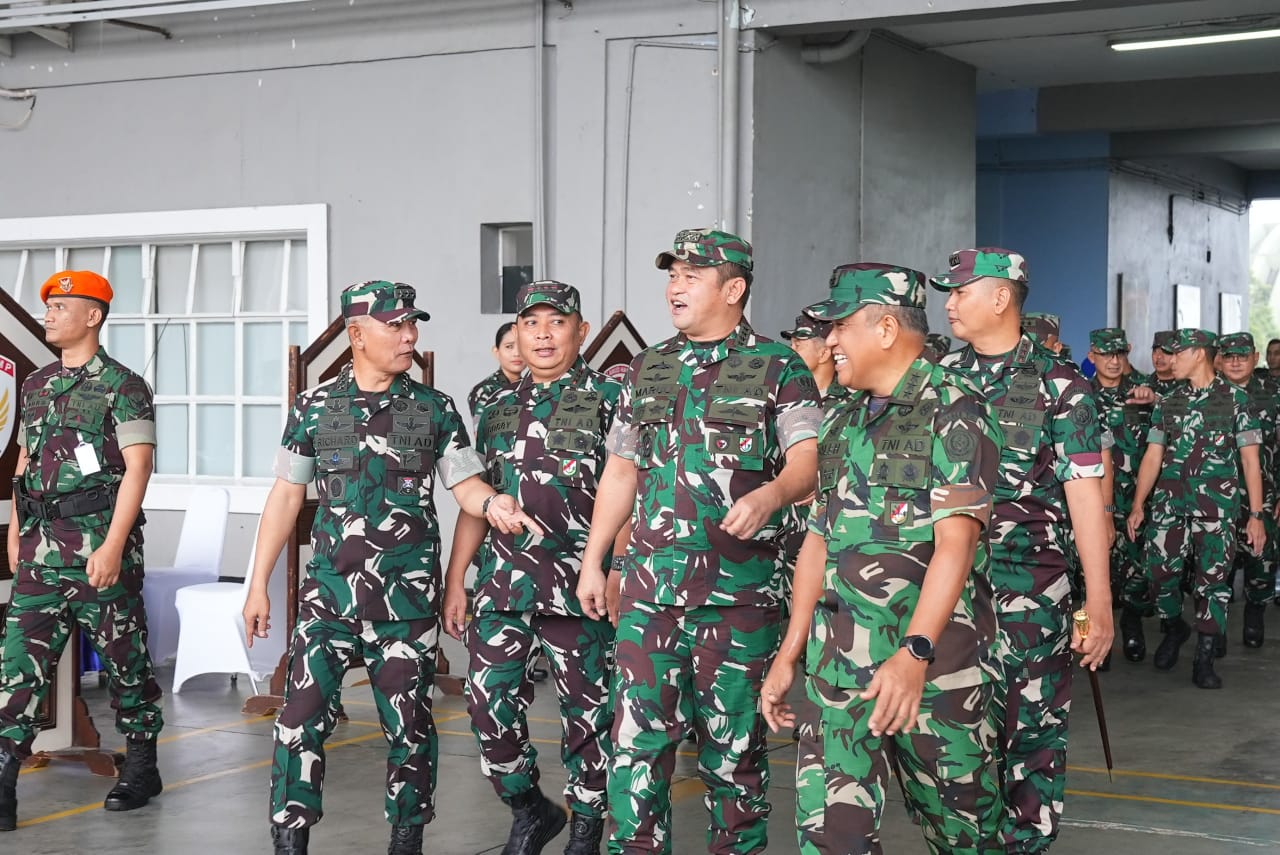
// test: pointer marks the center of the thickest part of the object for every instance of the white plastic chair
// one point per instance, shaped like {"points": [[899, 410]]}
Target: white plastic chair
{"points": [[211, 631], [198, 559]]}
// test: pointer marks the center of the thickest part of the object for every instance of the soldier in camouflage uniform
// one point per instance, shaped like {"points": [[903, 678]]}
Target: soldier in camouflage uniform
{"points": [[542, 441], [1239, 356], [1161, 378], [1128, 423], [1050, 484], [1193, 465], [373, 440], [714, 440], [809, 339], [907, 468], [510, 366], [86, 442], [936, 346]]}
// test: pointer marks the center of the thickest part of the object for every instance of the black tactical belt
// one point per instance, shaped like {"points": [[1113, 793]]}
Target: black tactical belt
{"points": [[63, 507]]}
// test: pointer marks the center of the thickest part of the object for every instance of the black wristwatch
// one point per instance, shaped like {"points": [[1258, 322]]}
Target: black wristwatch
{"points": [[1256, 515], [918, 646]]}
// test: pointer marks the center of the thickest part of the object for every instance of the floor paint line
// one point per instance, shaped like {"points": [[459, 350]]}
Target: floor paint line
{"points": [[1162, 776], [1170, 832], [1176, 802]]}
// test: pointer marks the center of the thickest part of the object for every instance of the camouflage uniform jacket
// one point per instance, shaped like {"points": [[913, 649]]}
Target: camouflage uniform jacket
{"points": [[374, 458], [1050, 435], [932, 452], [705, 425], [1128, 425], [102, 404], [545, 446], [1165, 387], [1264, 405], [485, 391], [1201, 431]]}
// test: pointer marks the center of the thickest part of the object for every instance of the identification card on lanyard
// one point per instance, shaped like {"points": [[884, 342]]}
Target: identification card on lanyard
{"points": [[87, 457]]}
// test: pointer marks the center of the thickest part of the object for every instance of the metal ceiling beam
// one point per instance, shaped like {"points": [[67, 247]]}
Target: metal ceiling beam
{"points": [[26, 17], [60, 36]]}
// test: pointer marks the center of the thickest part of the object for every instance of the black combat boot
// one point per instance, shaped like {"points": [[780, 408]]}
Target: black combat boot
{"points": [[405, 840], [1220, 645], [8, 791], [1202, 673], [584, 835], [290, 841], [1176, 633], [139, 777], [1134, 642], [537, 820], [1253, 623]]}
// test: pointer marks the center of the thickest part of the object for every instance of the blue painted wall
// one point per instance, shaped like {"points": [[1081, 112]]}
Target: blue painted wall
{"points": [[1047, 197]]}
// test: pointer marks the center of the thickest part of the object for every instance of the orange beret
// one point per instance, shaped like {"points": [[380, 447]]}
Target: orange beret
{"points": [[77, 283]]}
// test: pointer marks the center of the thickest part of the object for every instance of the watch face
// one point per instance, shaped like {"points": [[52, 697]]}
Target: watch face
{"points": [[921, 647]]}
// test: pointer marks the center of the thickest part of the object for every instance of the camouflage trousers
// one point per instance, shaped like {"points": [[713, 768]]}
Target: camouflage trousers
{"points": [[1126, 559], [502, 647], [944, 767], [401, 659], [1169, 543], [46, 601], [690, 668], [1259, 570], [1030, 715]]}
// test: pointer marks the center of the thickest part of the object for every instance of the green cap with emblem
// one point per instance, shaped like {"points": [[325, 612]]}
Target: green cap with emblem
{"points": [[970, 265], [389, 302], [706, 248], [1236, 344], [1163, 340], [558, 295], [1189, 337], [1109, 340], [1041, 325], [869, 283], [807, 327]]}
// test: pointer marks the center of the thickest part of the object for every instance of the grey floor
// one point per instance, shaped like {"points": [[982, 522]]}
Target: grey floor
{"points": [[1196, 772]]}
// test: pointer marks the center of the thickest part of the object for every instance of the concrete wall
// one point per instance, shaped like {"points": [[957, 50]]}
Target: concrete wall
{"points": [[850, 166], [1210, 250]]}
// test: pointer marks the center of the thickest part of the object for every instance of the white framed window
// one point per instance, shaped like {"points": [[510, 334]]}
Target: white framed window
{"points": [[206, 304]]}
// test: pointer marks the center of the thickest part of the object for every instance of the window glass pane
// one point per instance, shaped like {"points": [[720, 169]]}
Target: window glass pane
{"points": [[263, 426], [213, 278], [171, 439], [39, 268], [215, 439], [297, 276], [172, 346], [263, 359], [9, 261], [263, 270], [298, 334], [126, 279], [217, 359], [87, 258], [173, 276], [128, 344]]}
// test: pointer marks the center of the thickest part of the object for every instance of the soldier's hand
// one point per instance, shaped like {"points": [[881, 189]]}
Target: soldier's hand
{"points": [[1256, 533], [103, 567], [1136, 516], [897, 687], [507, 517], [1142, 395], [455, 610], [773, 693], [591, 585], [613, 596], [1095, 646], [257, 616], [747, 515]]}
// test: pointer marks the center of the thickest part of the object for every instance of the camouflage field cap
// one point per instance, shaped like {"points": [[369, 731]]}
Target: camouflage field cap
{"points": [[1189, 337], [1109, 340], [1163, 340], [807, 327], [558, 295], [970, 265], [389, 302], [938, 343], [856, 285], [1041, 325], [1236, 344], [706, 248]]}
